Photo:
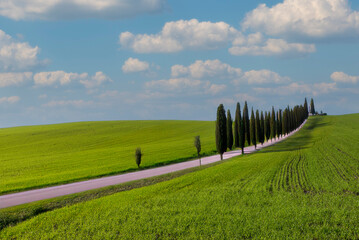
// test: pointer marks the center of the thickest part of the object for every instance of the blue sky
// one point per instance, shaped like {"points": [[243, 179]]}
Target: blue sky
{"points": [[76, 60]]}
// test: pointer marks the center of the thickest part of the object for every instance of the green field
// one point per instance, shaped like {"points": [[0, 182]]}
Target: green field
{"points": [[306, 187], [39, 156]]}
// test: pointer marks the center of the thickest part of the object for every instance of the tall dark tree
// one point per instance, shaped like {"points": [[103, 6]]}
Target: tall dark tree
{"points": [[229, 130], [285, 122], [242, 135], [253, 130], [272, 124], [237, 122], [280, 119], [267, 126], [258, 127], [312, 108], [197, 144], [261, 140], [246, 123], [221, 131], [305, 108], [277, 126]]}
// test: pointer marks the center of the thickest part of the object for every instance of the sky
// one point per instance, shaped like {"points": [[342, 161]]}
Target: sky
{"points": [[92, 60]]}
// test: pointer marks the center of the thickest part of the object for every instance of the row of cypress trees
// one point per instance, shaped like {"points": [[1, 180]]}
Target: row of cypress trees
{"points": [[256, 128]]}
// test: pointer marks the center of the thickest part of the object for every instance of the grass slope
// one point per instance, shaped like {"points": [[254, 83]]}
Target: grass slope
{"points": [[304, 187], [38, 156]]}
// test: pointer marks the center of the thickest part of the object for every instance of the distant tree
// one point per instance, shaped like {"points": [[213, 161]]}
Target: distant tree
{"points": [[262, 138], [197, 144], [229, 130], [138, 155], [272, 124], [305, 108], [246, 123], [312, 108], [279, 120], [221, 131], [242, 135], [267, 126], [284, 122], [237, 122], [258, 127], [253, 130]]}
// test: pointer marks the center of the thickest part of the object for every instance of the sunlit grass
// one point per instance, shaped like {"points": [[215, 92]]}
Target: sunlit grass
{"points": [[303, 188], [38, 156]]}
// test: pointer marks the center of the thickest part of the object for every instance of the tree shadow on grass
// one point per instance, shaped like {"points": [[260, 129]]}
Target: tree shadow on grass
{"points": [[301, 140]]}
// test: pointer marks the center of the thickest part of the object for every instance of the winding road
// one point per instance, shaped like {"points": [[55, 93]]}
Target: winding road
{"points": [[61, 190]]}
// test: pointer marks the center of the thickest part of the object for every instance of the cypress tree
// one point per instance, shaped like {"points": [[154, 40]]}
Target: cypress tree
{"points": [[229, 130], [272, 125], [258, 127], [279, 119], [246, 123], [312, 109], [306, 112], [262, 129], [267, 126], [237, 122], [284, 122], [253, 130], [242, 135], [221, 131]]}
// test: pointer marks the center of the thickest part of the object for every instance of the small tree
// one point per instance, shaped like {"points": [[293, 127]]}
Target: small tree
{"points": [[221, 131], [237, 122], [242, 135], [258, 127], [229, 130], [197, 144], [312, 108], [246, 123], [138, 156], [253, 130], [272, 125], [262, 138]]}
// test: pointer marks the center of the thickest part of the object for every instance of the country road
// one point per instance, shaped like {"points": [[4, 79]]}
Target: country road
{"points": [[61, 190]]}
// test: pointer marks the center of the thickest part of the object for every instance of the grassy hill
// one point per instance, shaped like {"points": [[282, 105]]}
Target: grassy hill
{"points": [[304, 187], [38, 156]]}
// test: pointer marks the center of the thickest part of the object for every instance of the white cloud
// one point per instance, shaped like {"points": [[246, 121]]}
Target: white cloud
{"points": [[313, 19], [302, 88], [16, 55], [12, 99], [185, 86], [181, 35], [135, 65], [64, 78], [14, 79], [64, 103], [271, 47], [214, 89], [96, 80], [342, 77], [174, 84], [72, 9], [61, 77], [262, 77], [203, 69]]}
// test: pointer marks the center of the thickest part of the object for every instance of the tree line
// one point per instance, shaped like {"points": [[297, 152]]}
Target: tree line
{"points": [[252, 128]]}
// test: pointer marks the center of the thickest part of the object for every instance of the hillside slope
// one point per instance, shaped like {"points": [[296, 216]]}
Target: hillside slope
{"points": [[304, 187], [52, 154]]}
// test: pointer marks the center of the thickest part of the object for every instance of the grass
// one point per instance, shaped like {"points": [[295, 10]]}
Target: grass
{"points": [[38, 156], [13, 215], [303, 188]]}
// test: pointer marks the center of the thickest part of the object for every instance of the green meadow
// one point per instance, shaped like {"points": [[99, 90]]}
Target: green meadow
{"points": [[306, 187], [38, 156]]}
